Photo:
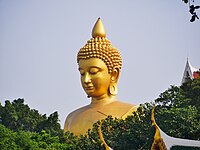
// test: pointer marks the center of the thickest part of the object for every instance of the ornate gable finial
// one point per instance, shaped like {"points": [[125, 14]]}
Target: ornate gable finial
{"points": [[98, 29]]}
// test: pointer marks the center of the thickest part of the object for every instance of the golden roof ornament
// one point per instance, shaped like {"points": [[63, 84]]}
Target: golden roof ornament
{"points": [[102, 138], [98, 29], [162, 141]]}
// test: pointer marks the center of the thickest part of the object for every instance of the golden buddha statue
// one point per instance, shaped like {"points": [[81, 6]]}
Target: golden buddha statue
{"points": [[99, 66]]}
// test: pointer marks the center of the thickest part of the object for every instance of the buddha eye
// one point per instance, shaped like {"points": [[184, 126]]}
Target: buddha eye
{"points": [[94, 70]]}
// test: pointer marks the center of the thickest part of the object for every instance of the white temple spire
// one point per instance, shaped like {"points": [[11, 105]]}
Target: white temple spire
{"points": [[188, 72]]}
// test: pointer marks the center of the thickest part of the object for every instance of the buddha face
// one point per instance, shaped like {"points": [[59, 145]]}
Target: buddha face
{"points": [[95, 78]]}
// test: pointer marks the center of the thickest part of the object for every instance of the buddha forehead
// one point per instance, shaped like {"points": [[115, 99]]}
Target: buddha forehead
{"points": [[91, 62]]}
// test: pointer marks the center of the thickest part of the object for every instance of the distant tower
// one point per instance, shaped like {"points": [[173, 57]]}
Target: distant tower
{"points": [[190, 72]]}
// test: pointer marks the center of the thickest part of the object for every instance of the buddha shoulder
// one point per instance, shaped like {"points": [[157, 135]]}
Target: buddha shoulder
{"points": [[77, 112]]}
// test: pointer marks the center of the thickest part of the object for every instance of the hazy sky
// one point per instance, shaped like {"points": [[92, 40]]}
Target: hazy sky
{"points": [[39, 40]]}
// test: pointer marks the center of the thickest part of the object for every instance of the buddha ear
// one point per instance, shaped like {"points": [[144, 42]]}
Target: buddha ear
{"points": [[114, 78], [115, 75]]}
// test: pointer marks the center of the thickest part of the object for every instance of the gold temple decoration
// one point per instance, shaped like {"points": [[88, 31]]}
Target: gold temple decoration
{"points": [[162, 141], [101, 137], [100, 47], [158, 143]]}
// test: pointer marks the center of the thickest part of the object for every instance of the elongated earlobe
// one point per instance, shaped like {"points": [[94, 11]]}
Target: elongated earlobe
{"points": [[113, 89]]}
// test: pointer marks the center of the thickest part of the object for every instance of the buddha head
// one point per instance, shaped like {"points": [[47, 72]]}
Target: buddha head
{"points": [[99, 64]]}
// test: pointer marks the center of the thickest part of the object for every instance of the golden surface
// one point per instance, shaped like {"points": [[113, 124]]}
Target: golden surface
{"points": [[99, 68], [101, 137], [98, 29], [158, 143]]}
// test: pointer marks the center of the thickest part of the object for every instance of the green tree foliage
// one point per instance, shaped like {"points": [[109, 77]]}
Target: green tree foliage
{"points": [[191, 91], [192, 9], [178, 110], [177, 114], [184, 148], [25, 140], [18, 116], [6, 138]]}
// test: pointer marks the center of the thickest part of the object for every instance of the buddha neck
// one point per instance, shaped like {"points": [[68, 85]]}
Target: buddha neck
{"points": [[102, 101]]}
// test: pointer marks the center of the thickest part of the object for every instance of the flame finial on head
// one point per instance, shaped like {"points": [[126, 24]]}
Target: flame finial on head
{"points": [[98, 29]]}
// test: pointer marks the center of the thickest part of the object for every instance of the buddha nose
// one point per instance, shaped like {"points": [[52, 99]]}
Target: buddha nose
{"points": [[87, 78]]}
